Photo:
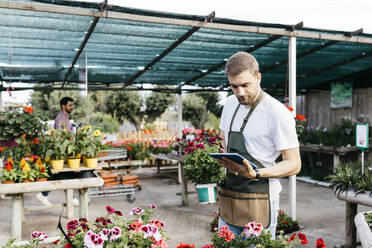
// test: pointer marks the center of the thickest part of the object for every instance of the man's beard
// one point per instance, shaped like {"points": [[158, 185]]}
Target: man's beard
{"points": [[68, 111]]}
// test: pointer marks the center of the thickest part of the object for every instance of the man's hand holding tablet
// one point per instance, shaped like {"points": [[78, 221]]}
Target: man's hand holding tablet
{"points": [[236, 164]]}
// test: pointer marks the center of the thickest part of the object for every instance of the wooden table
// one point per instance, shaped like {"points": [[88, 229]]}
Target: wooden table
{"points": [[335, 151], [17, 190]]}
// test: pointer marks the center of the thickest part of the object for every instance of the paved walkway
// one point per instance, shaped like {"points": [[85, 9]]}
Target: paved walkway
{"points": [[318, 210]]}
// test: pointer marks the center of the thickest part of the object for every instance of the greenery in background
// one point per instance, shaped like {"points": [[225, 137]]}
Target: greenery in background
{"points": [[47, 103], [339, 134], [348, 176], [131, 106], [13, 124], [105, 123], [197, 107]]}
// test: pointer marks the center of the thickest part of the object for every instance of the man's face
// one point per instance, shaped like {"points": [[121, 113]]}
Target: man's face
{"points": [[245, 86], [68, 107]]}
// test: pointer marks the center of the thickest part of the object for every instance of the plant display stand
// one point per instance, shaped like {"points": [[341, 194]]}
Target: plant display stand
{"points": [[352, 201], [123, 190], [17, 190], [364, 230]]}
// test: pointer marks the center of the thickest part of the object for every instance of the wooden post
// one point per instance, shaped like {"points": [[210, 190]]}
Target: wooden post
{"points": [[350, 229], [69, 204], [16, 216], [83, 203], [292, 103]]}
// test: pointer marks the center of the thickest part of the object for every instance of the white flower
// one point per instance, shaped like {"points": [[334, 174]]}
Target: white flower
{"points": [[39, 235], [92, 240], [115, 234], [151, 231]]}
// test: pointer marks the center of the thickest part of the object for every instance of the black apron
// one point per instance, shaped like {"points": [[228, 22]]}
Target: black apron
{"points": [[243, 200]]}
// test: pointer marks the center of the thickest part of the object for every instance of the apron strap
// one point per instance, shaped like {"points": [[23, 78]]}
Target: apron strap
{"points": [[251, 110], [258, 100]]}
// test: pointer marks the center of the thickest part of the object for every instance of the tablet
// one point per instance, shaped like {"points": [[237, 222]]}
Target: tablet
{"points": [[237, 158]]}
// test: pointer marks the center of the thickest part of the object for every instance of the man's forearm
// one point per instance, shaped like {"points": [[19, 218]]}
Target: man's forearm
{"points": [[282, 169]]}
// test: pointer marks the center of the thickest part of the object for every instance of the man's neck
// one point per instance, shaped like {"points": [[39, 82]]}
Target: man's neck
{"points": [[65, 113]]}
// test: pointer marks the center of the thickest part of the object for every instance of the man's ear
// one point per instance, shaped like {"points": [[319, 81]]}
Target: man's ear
{"points": [[259, 77]]}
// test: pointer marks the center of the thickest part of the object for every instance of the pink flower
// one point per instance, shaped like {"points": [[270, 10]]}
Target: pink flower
{"points": [[110, 210], [39, 235], [208, 246], [161, 243], [253, 228], [136, 211], [152, 206]]}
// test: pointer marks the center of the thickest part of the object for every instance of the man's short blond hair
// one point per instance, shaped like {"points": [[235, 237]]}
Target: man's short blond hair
{"points": [[240, 62]]}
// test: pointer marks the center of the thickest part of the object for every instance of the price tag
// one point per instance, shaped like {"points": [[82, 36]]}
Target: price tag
{"points": [[362, 136]]}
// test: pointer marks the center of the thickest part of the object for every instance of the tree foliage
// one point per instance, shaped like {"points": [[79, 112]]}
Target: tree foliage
{"points": [[199, 106]]}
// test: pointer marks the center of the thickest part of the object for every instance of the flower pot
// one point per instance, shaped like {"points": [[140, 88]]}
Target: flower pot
{"points": [[57, 164], [26, 181], [92, 162], [207, 193], [350, 196], [73, 163], [364, 231], [8, 182], [42, 179]]}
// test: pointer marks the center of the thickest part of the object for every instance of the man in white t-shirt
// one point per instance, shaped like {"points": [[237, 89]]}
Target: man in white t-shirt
{"points": [[266, 129]]}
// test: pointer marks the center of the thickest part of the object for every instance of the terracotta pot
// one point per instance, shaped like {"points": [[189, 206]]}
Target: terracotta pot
{"points": [[91, 162], [73, 163], [8, 182], [26, 181], [42, 179]]}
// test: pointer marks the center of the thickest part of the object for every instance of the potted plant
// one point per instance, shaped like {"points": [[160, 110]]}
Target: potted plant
{"points": [[201, 168], [91, 146], [363, 223], [14, 124], [9, 174], [350, 185], [41, 173], [73, 153], [56, 147]]}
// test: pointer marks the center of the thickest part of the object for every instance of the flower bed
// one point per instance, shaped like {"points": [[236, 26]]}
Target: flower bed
{"points": [[112, 230]]}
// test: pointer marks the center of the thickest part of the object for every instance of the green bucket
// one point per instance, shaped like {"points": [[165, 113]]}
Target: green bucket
{"points": [[207, 193]]}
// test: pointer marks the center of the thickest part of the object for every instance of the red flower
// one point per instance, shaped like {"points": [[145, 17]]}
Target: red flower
{"points": [[55, 242], [208, 246], [129, 148], [28, 109], [145, 131], [67, 245], [118, 213], [150, 132], [300, 117], [42, 170], [1, 149], [320, 243], [24, 136], [9, 166], [303, 238], [292, 237], [35, 141], [110, 210], [182, 245], [290, 108]]}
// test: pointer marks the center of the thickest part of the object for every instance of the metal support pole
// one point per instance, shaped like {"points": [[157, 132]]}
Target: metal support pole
{"points": [[179, 129], [362, 158], [292, 103]]}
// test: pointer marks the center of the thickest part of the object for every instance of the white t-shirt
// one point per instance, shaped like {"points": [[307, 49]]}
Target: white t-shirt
{"points": [[270, 129]]}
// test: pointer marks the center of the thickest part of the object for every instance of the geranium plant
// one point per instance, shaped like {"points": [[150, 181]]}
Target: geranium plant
{"points": [[111, 231], [201, 168], [255, 236], [14, 124]]}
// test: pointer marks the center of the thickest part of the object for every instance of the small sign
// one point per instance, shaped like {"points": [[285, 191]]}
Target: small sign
{"points": [[190, 137], [362, 136]]}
